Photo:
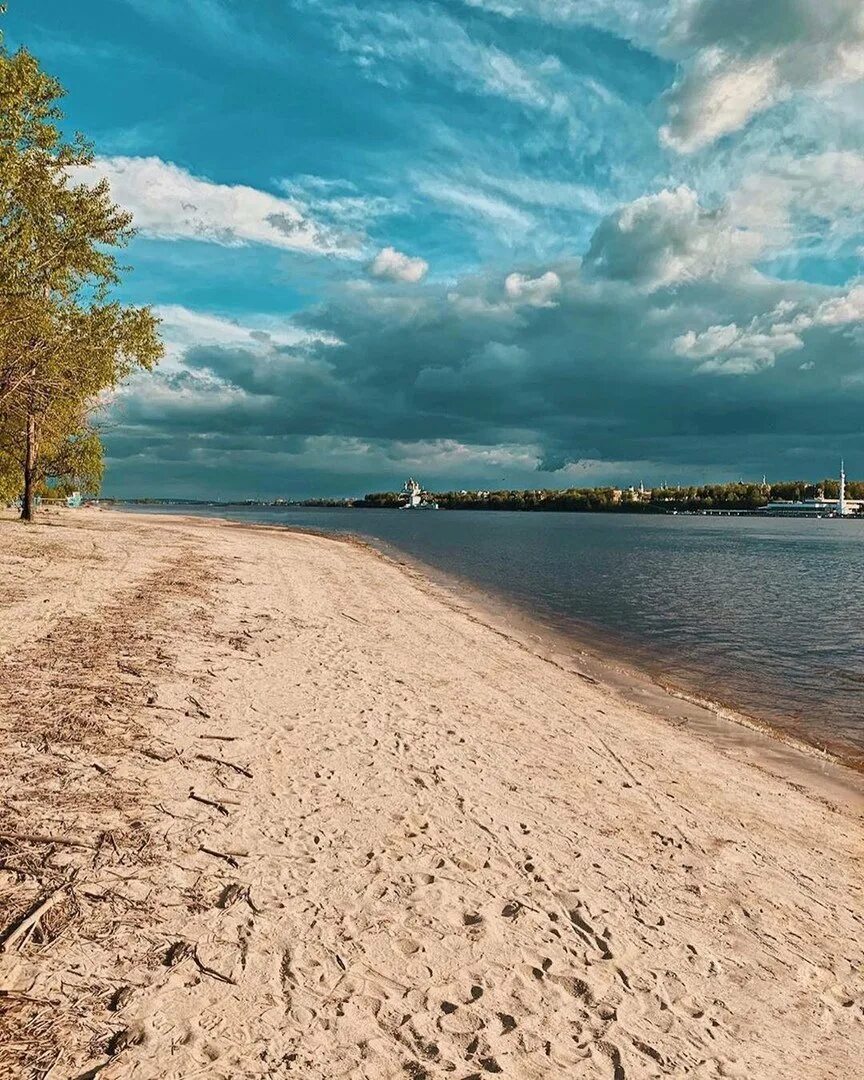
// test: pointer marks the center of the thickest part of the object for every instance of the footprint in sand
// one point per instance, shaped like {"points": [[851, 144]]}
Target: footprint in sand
{"points": [[508, 1023]]}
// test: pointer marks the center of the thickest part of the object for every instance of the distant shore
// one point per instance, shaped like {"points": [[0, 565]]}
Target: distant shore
{"points": [[311, 807], [561, 505]]}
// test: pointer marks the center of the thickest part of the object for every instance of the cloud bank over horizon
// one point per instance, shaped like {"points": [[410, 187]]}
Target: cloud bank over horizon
{"points": [[498, 242]]}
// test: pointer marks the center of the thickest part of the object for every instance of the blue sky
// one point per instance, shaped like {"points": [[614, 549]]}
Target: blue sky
{"points": [[519, 243]]}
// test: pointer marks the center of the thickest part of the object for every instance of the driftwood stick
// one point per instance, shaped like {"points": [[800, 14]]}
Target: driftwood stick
{"points": [[194, 701], [53, 1064], [147, 752], [227, 856], [21, 995], [20, 929], [210, 971], [222, 801], [228, 764], [209, 802], [42, 838]]}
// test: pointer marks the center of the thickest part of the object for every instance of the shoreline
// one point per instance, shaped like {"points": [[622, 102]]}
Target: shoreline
{"points": [[837, 770], [608, 664], [276, 804]]}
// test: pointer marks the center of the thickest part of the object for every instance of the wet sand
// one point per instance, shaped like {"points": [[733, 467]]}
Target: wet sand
{"points": [[275, 805]]}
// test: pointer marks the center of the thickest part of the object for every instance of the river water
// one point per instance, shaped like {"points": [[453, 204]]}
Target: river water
{"points": [[765, 615]]}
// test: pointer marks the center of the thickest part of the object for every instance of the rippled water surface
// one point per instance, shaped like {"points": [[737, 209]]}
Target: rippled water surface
{"points": [[765, 614]]}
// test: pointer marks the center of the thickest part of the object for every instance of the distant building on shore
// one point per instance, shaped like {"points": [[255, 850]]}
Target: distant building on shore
{"points": [[633, 494], [818, 506], [415, 498]]}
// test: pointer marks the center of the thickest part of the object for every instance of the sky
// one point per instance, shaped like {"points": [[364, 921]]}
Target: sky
{"points": [[490, 243]]}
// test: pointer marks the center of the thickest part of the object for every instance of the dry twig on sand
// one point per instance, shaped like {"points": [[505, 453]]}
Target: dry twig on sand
{"points": [[228, 856], [205, 970], [209, 802], [227, 764], [21, 929], [41, 838]]}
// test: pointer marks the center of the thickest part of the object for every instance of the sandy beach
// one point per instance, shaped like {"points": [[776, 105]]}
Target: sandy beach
{"points": [[274, 805]]}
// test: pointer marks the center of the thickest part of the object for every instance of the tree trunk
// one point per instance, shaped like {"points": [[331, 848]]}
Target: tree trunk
{"points": [[28, 502]]}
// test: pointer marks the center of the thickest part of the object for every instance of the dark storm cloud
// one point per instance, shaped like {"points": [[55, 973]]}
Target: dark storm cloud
{"points": [[722, 372]]}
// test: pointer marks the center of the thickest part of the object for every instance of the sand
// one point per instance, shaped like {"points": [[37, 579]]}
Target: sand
{"points": [[417, 848]]}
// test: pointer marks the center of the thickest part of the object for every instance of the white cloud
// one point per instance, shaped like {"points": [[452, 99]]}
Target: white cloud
{"points": [[666, 239], [641, 21], [815, 203], [337, 203], [536, 292], [471, 202], [710, 342], [395, 266], [446, 456], [157, 396], [188, 327], [735, 350], [382, 40], [717, 97], [170, 203], [544, 192], [226, 27], [842, 310], [182, 328], [828, 187], [742, 350], [746, 57], [467, 304]]}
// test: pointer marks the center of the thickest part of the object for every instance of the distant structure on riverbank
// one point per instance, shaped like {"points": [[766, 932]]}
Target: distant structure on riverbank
{"points": [[415, 498], [818, 506]]}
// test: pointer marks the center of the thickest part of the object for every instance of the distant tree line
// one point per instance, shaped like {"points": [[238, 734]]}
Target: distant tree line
{"points": [[386, 500], [737, 496], [584, 499], [323, 502]]}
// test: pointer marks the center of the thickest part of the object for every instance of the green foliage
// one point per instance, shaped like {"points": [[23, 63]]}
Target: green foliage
{"points": [[78, 464], [576, 499], [64, 342], [389, 500]]}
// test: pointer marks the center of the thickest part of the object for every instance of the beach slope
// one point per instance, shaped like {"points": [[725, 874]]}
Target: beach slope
{"points": [[273, 805]]}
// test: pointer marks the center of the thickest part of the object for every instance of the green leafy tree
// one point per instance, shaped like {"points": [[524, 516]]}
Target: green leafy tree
{"points": [[64, 342]]}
